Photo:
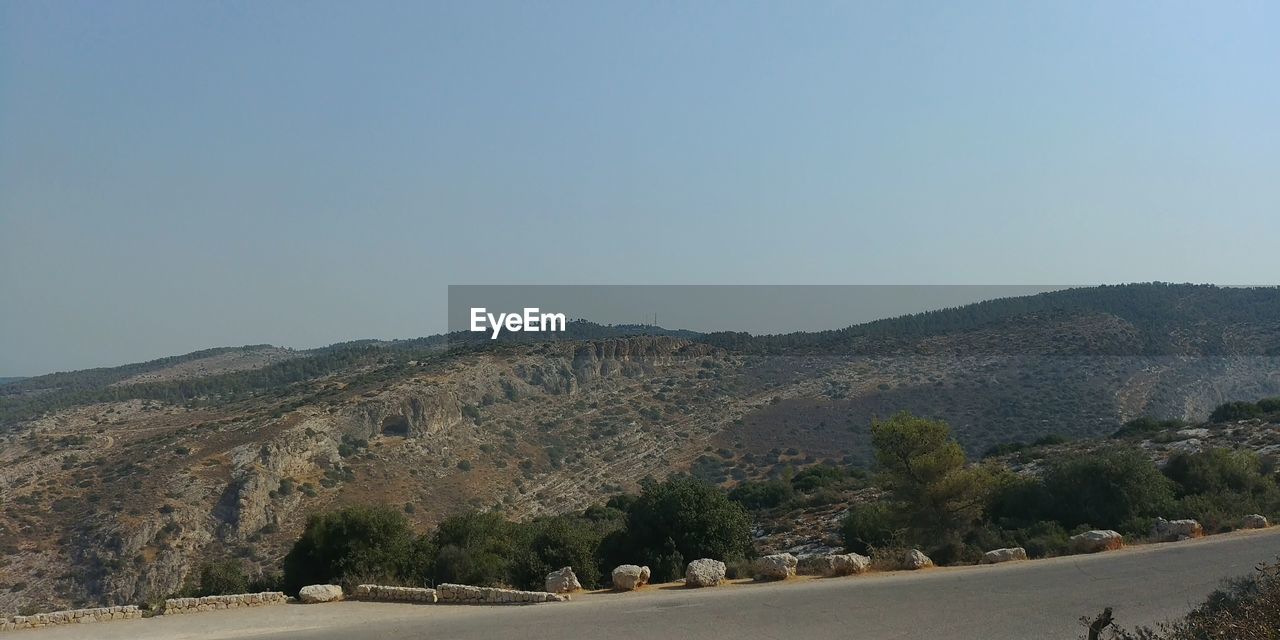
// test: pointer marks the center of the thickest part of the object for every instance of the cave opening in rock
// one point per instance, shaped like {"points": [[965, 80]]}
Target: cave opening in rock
{"points": [[396, 425]]}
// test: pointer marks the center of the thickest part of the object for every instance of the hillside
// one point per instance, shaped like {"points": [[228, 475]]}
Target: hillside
{"points": [[116, 482]]}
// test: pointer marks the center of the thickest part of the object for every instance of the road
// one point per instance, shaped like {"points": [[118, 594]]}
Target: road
{"points": [[1015, 601]]}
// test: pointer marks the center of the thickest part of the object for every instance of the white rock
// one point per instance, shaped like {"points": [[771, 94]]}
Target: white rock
{"points": [[841, 564], [1096, 540], [1254, 521], [629, 577], [704, 572], [778, 566], [916, 559], [316, 593], [1004, 555], [562, 581], [1171, 530]]}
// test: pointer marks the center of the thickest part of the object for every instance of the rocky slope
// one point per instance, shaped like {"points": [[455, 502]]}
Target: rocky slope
{"points": [[108, 498]]}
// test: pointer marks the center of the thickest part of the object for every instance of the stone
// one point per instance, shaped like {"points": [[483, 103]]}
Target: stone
{"points": [[1004, 555], [704, 572], [1095, 541], [839, 564], [1254, 521], [916, 559], [778, 566], [1172, 530], [629, 577], [317, 593], [562, 581]]}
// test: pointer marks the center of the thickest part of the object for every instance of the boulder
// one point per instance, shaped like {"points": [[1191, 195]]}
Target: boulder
{"points": [[916, 559], [704, 572], [629, 577], [316, 593], [778, 566], [840, 564], [1254, 521], [562, 581], [1004, 555], [1171, 530], [1095, 541]]}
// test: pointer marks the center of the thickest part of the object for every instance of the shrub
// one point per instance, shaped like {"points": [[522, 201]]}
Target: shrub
{"points": [[474, 548], [365, 541], [758, 496], [548, 544], [869, 525], [1107, 489], [678, 520], [1142, 426], [1244, 609], [1232, 411], [221, 578]]}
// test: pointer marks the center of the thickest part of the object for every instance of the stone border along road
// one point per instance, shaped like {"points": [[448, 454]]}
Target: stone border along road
{"points": [[1009, 601]]}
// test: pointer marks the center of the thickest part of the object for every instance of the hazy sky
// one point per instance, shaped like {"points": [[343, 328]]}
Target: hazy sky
{"points": [[180, 175]]}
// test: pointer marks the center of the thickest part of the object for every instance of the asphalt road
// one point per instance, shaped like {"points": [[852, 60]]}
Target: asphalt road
{"points": [[1016, 601]]}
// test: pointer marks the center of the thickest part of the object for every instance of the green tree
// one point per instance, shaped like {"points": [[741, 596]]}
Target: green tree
{"points": [[924, 470], [680, 520], [353, 542], [547, 544], [475, 548], [1111, 488], [870, 525]]}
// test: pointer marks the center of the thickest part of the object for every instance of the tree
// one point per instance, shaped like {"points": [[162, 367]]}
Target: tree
{"points": [[547, 544], [680, 520], [1109, 488], [474, 548], [924, 470], [353, 542]]}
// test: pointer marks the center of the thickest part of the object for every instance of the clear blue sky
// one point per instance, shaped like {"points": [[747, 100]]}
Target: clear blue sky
{"points": [[180, 175]]}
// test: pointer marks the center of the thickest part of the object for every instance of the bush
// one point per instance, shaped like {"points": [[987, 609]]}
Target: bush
{"points": [[548, 544], [758, 496], [679, 520], [373, 542], [1144, 426], [474, 548], [222, 578], [1232, 411], [869, 525], [1107, 489]]}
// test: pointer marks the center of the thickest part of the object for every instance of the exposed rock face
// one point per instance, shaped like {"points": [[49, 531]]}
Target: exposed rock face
{"points": [[1254, 521], [316, 593], [704, 572], [842, 564], [1095, 541], [1171, 530], [562, 581], [916, 559], [629, 577], [1004, 555], [778, 566]]}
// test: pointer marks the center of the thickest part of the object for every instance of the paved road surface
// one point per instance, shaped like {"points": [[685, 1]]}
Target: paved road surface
{"points": [[1017, 601]]}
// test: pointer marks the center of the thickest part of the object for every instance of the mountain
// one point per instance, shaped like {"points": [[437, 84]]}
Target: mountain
{"points": [[118, 482]]}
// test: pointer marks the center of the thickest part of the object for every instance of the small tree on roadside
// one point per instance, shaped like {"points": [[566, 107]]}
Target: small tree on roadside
{"points": [[359, 541]]}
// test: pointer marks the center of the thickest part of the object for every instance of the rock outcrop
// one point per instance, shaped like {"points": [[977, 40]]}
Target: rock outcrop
{"points": [[1173, 530], [778, 566], [916, 559], [840, 564], [629, 577], [996, 556], [1095, 541], [562, 581], [704, 572]]}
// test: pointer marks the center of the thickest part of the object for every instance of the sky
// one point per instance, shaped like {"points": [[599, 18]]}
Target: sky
{"points": [[182, 175]]}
